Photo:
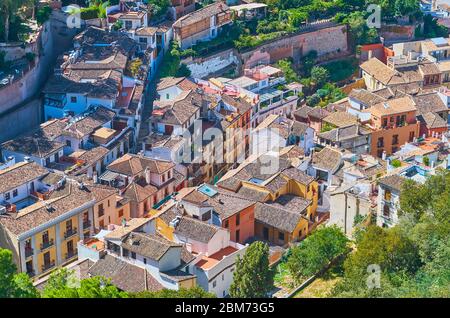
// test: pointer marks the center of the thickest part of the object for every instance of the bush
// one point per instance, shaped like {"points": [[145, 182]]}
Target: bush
{"points": [[316, 252], [89, 13], [396, 163], [43, 14], [319, 75], [30, 56], [250, 41], [313, 100], [171, 65], [289, 73], [183, 71], [342, 69], [134, 66]]}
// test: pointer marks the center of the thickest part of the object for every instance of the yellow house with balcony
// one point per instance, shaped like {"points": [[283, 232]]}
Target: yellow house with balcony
{"points": [[44, 235]]}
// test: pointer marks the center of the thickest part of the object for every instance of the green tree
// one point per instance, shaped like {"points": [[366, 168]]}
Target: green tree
{"points": [[316, 252], [24, 287], [9, 13], [313, 100], [432, 29], [134, 66], [396, 163], [159, 7], [289, 73], [391, 251], [7, 271], [43, 14], [406, 7], [64, 284], [13, 285], [183, 71], [194, 292], [252, 277], [319, 75], [308, 62], [414, 256], [117, 25], [98, 287]]}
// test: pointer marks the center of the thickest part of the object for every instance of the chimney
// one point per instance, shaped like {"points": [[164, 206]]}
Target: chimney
{"points": [[370, 54], [147, 175]]}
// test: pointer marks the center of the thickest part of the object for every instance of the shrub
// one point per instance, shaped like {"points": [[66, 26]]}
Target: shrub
{"points": [[396, 163], [43, 14]]}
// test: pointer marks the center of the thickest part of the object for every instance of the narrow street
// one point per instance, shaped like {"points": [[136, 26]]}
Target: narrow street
{"points": [[149, 97]]}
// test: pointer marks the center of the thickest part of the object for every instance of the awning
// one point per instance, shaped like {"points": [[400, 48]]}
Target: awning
{"points": [[109, 176]]}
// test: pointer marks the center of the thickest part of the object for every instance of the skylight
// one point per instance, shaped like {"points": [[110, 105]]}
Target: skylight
{"points": [[207, 190]]}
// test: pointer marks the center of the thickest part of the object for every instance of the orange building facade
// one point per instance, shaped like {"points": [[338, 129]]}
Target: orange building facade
{"points": [[393, 124], [241, 225]]}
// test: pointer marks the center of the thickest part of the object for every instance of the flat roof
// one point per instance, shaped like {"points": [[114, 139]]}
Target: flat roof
{"points": [[104, 133], [209, 262], [248, 6], [271, 93], [243, 81]]}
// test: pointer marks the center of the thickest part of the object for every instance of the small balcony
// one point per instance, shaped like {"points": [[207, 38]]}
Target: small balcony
{"points": [[70, 232], [70, 254], [28, 252], [47, 244], [86, 224], [46, 267]]}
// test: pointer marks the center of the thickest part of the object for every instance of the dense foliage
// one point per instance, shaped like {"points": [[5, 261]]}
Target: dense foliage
{"points": [[414, 256], [316, 252], [431, 28], [252, 277], [288, 16], [285, 65], [159, 7], [64, 284], [13, 285], [194, 292], [341, 69], [43, 14], [171, 64], [96, 9]]}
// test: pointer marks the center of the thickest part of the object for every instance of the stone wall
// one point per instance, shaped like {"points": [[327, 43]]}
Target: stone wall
{"points": [[29, 83], [328, 39], [23, 119], [392, 33], [20, 104], [213, 65]]}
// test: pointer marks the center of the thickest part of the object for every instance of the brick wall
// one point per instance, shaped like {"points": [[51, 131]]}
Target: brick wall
{"points": [[329, 40]]}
